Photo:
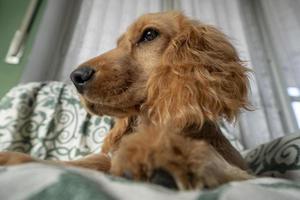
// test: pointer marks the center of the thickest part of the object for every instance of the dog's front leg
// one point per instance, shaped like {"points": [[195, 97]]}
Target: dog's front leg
{"points": [[100, 162], [14, 158]]}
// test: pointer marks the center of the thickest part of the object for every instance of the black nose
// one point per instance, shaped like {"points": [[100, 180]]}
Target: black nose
{"points": [[163, 178], [81, 76]]}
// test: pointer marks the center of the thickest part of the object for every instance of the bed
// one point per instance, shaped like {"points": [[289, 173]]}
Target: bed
{"points": [[47, 121]]}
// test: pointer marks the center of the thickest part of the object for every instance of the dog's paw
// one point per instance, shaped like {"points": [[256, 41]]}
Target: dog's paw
{"points": [[14, 158], [211, 170], [175, 162]]}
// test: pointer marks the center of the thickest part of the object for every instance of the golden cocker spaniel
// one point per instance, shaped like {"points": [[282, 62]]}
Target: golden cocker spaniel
{"points": [[167, 83]]}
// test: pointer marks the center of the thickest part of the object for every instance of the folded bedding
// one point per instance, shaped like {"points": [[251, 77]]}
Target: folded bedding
{"points": [[38, 181], [47, 121]]}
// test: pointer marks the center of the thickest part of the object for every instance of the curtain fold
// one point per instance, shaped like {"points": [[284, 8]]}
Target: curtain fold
{"points": [[227, 17], [100, 22]]}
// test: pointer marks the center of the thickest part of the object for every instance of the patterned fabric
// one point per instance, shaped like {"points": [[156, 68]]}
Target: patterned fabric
{"points": [[279, 158], [38, 181], [47, 121]]}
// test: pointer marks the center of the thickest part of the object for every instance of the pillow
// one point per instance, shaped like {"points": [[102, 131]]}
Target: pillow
{"points": [[278, 158], [47, 121]]}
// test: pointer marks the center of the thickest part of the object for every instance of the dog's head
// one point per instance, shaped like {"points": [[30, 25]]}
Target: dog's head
{"points": [[167, 67]]}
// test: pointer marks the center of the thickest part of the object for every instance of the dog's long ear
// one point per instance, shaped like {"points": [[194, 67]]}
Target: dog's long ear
{"points": [[200, 78]]}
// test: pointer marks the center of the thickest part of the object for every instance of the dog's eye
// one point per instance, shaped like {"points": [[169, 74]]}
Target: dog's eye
{"points": [[148, 35]]}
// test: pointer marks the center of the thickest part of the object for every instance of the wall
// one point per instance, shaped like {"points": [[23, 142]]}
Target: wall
{"points": [[11, 14]]}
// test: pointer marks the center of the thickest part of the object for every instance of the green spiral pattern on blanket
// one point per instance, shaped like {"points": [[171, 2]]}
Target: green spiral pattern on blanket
{"points": [[47, 121], [278, 158]]}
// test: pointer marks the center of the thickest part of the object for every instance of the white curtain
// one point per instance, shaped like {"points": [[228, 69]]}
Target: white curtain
{"points": [[226, 16], [100, 22]]}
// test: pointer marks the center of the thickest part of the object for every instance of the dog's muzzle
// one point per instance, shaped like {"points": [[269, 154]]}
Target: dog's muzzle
{"points": [[81, 76]]}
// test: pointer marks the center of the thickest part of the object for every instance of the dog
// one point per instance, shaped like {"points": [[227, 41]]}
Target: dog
{"points": [[168, 83]]}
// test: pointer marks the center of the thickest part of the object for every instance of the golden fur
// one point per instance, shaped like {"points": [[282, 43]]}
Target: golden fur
{"points": [[167, 96]]}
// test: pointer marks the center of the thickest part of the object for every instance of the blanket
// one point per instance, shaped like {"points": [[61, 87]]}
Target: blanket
{"points": [[47, 121]]}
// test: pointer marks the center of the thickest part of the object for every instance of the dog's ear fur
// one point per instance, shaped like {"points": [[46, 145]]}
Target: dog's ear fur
{"points": [[200, 78]]}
